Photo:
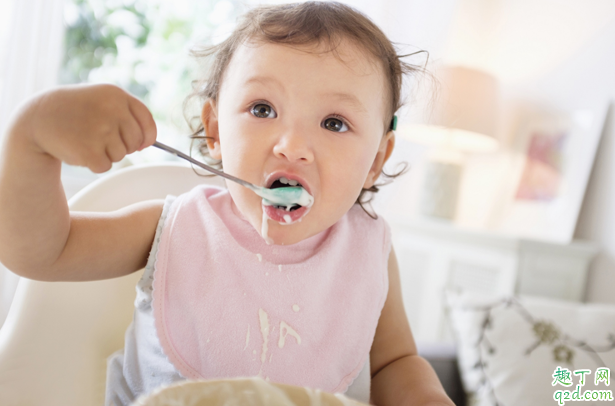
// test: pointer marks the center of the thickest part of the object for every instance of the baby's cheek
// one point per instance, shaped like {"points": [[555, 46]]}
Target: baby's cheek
{"points": [[350, 174], [347, 192], [363, 166]]}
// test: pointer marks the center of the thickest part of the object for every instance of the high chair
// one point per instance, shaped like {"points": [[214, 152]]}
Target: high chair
{"points": [[58, 335]]}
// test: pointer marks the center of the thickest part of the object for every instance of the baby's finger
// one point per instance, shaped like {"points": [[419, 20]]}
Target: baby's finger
{"points": [[116, 151], [99, 163], [145, 119], [131, 134]]}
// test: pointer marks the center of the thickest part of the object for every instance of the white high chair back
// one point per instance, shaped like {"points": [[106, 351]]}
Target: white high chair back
{"points": [[58, 335]]}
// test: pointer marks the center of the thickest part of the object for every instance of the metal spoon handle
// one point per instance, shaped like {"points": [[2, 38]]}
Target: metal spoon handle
{"points": [[206, 167]]}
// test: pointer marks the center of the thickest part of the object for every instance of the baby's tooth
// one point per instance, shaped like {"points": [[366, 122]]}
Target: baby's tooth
{"points": [[284, 180], [293, 182]]}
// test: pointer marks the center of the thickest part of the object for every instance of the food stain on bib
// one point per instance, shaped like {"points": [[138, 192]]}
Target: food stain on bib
{"points": [[285, 330], [264, 322], [247, 337]]}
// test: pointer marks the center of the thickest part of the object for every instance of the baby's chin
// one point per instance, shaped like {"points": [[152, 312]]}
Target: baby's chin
{"points": [[275, 232], [279, 232], [284, 234]]}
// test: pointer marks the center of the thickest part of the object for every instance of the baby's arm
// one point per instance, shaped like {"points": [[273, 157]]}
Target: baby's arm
{"points": [[89, 126], [399, 375]]}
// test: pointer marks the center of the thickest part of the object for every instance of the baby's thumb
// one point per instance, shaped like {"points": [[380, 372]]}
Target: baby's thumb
{"points": [[146, 121]]}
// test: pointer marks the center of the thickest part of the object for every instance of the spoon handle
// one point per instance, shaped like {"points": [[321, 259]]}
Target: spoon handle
{"points": [[206, 167]]}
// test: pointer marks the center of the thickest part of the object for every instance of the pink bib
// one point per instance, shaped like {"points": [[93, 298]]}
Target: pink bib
{"points": [[227, 305]]}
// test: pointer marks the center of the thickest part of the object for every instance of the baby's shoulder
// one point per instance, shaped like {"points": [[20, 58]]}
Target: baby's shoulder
{"points": [[205, 190], [203, 193], [362, 219], [363, 227]]}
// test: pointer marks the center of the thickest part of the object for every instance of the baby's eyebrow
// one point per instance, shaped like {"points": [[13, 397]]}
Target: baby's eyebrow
{"points": [[264, 80], [351, 99], [348, 98]]}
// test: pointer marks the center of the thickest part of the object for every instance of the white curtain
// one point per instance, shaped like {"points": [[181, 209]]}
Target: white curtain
{"points": [[30, 57]]}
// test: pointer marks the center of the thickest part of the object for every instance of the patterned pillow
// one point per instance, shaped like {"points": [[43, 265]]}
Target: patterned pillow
{"points": [[533, 351]]}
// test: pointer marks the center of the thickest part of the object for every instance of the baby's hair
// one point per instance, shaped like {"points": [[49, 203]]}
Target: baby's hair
{"points": [[304, 24]]}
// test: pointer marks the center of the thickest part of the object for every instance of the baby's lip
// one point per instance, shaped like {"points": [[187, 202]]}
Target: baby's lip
{"points": [[279, 174], [278, 214]]}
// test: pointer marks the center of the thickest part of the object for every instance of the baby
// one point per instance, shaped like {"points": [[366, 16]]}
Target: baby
{"points": [[299, 94]]}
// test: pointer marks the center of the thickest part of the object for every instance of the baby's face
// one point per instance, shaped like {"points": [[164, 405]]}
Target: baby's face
{"points": [[305, 116]]}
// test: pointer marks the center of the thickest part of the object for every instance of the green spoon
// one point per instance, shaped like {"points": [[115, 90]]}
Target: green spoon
{"points": [[284, 196]]}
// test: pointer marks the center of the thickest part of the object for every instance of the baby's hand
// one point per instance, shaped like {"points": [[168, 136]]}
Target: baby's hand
{"points": [[91, 125]]}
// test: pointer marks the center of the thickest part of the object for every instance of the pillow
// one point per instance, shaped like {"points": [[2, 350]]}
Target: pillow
{"points": [[525, 350]]}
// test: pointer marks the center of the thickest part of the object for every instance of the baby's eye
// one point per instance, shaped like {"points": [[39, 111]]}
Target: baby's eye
{"points": [[335, 124], [263, 111]]}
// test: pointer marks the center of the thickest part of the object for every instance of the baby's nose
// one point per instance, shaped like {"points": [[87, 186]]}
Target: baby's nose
{"points": [[294, 146]]}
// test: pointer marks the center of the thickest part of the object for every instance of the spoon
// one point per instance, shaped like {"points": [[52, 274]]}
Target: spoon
{"points": [[284, 196]]}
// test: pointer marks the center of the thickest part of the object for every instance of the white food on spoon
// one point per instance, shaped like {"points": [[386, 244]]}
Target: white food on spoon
{"points": [[286, 196]]}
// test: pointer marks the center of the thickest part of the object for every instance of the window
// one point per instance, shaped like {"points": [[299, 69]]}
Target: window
{"points": [[143, 47]]}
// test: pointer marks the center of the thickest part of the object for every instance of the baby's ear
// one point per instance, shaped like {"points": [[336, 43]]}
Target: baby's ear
{"points": [[209, 116], [384, 153]]}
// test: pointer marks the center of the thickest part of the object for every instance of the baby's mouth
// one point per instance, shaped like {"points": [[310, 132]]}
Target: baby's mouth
{"points": [[282, 183], [285, 214]]}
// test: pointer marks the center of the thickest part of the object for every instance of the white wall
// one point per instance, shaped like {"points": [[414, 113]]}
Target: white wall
{"points": [[554, 53], [590, 73], [561, 54]]}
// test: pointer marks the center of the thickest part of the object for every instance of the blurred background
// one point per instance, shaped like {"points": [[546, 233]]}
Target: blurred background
{"points": [[509, 137]]}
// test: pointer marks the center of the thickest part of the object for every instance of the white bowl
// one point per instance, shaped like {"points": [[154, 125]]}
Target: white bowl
{"points": [[241, 392]]}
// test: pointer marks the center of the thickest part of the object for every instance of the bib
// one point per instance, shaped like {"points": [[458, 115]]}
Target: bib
{"points": [[228, 305]]}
